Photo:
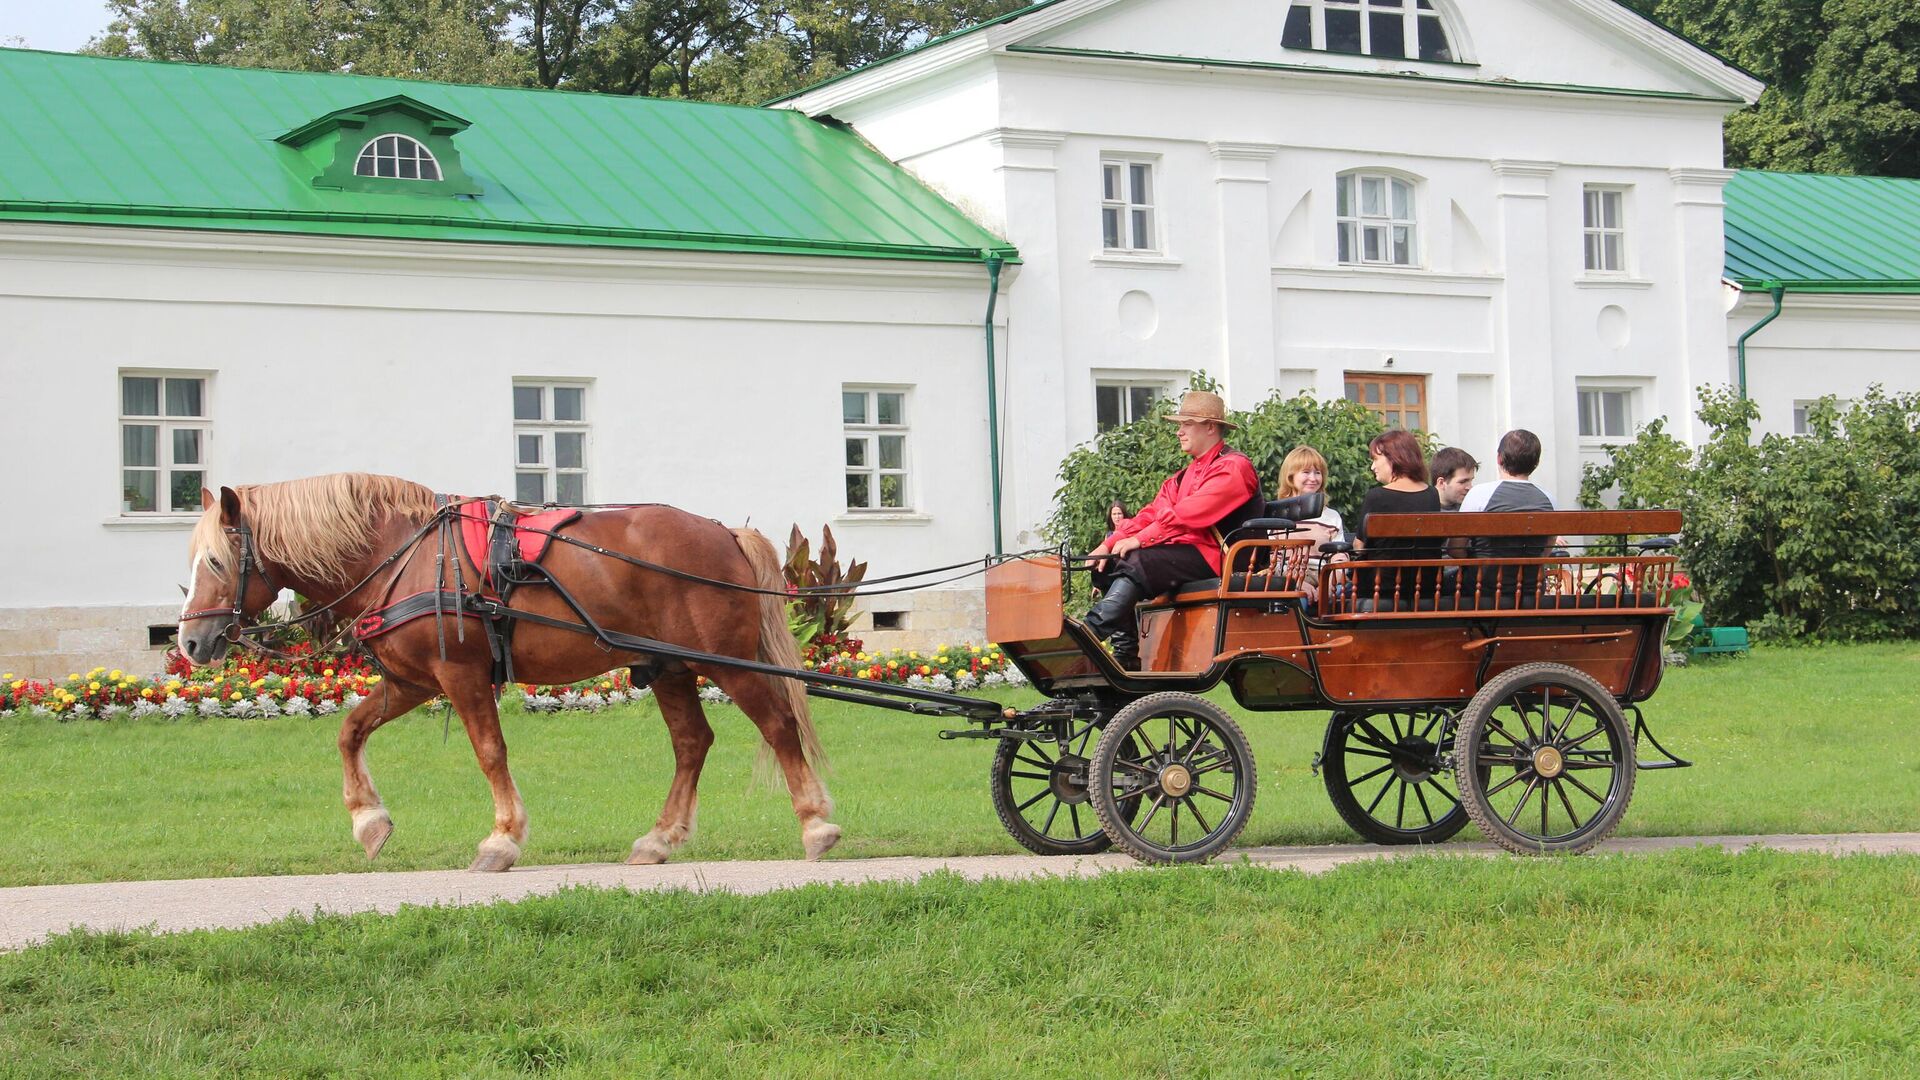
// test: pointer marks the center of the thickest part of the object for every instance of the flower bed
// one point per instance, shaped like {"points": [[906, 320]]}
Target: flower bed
{"points": [[305, 684]]}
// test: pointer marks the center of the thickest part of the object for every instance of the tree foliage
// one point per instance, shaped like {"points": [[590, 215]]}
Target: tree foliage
{"points": [[1808, 536], [1843, 80]]}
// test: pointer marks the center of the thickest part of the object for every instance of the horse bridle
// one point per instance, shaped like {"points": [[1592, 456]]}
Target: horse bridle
{"points": [[249, 564]]}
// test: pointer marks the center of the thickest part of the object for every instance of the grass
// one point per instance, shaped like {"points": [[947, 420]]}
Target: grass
{"points": [[1787, 740], [1694, 963]]}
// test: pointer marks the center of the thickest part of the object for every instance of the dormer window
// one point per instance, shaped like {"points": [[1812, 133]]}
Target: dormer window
{"points": [[1395, 29], [396, 157]]}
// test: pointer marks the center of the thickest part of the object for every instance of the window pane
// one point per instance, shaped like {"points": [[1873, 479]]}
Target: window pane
{"points": [[1343, 31], [858, 495], [183, 397], [892, 408], [526, 403], [1142, 230], [856, 453], [1591, 210], [530, 487], [139, 396], [1616, 414], [1594, 259], [1433, 40], [1588, 425], [1372, 391], [1393, 418], [569, 450], [570, 488], [1344, 196], [1110, 183], [892, 452], [569, 403], [1106, 407], [1413, 393], [429, 168], [1388, 34], [186, 447], [1110, 227], [1299, 31], [409, 169], [1353, 391], [1402, 201], [1373, 196], [528, 452], [1373, 244], [1612, 256], [1402, 245], [893, 492], [1346, 241], [1142, 182], [1799, 419], [1610, 209], [1392, 393], [139, 445], [137, 490], [1140, 401], [853, 407], [185, 490]]}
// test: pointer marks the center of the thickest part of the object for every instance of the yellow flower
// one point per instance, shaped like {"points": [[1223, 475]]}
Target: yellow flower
{"points": [[371, 679], [606, 686], [115, 673], [257, 683], [93, 685], [327, 673], [8, 677], [236, 695], [925, 670], [73, 678], [173, 684], [95, 671], [913, 656], [975, 648], [147, 692], [18, 683]]}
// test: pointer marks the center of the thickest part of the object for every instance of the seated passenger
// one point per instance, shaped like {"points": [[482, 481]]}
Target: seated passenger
{"points": [[1397, 464], [1304, 472], [1175, 538], [1514, 492], [1117, 517], [1453, 470]]}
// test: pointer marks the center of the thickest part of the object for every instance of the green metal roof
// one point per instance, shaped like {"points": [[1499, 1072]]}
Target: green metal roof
{"points": [[127, 142], [1840, 234]]}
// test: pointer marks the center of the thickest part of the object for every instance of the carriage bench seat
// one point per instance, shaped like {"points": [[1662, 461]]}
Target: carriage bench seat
{"points": [[1209, 588]]}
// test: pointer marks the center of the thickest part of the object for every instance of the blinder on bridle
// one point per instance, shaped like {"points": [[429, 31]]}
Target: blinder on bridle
{"points": [[249, 564]]}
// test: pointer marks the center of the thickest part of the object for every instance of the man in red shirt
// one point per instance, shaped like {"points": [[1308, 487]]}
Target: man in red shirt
{"points": [[1177, 537]]}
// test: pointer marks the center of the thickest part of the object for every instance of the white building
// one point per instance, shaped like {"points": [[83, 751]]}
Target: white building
{"points": [[1471, 214]]}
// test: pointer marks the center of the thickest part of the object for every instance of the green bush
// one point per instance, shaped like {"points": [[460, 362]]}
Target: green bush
{"points": [[1129, 463], [1798, 537]]}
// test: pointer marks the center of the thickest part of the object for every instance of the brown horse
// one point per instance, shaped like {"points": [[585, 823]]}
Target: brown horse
{"points": [[323, 535]]}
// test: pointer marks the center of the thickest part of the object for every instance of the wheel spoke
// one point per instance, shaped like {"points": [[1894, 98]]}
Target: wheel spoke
{"points": [[1400, 811], [1175, 840], [1032, 775], [1588, 763], [1378, 740], [1141, 829], [1520, 711], [1036, 764], [1358, 780], [1583, 738], [1384, 788], [1423, 802], [1545, 805], [1575, 781], [1393, 720], [1373, 754], [1047, 829], [1502, 785], [1074, 813], [1573, 819], [1044, 792], [1199, 789], [1143, 770], [1504, 733], [1435, 784], [1522, 804], [1195, 811], [1219, 759], [1502, 759], [1045, 762]]}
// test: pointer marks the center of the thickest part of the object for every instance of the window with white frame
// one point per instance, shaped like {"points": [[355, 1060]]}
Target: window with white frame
{"points": [[1606, 412], [1122, 401], [550, 442], [1401, 29], [396, 157], [874, 425], [1800, 426], [1376, 220], [1126, 205], [163, 442], [1605, 229]]}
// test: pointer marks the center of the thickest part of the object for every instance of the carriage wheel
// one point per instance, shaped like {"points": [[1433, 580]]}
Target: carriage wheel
{"points": [[1385, 777], [1040, 793], [1545, 760], [1172, 779]]}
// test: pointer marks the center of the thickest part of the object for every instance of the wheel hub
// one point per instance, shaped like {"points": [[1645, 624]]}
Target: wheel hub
{"points": [[1068, 779], [1176, 780], [1415, 761], [1549, 762]]}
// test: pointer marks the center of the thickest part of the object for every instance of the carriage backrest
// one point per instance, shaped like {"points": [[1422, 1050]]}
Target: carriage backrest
{"points": [[1525, 523]]}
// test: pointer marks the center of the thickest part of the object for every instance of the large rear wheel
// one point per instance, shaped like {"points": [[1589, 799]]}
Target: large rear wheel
{"points": [[1172, 779], [1544, 758], [1385, 776]]}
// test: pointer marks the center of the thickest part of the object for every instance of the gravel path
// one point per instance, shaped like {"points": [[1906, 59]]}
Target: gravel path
{"points": [[29, 914]]}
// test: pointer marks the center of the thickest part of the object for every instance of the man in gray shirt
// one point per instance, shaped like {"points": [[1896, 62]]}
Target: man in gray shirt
{"points": [[1514, 491]]}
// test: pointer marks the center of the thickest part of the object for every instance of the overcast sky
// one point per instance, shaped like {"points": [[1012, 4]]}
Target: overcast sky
{"points": [[59, 25]]}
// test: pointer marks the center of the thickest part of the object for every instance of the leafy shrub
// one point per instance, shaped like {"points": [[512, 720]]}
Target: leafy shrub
{"points": [[1130, 462], [1807, 536], [814, 614]]}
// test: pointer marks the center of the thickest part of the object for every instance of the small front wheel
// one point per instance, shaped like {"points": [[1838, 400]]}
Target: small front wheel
{"points": [[1384, 776], [1040, 793], [1544, 759], [1172, 779]]}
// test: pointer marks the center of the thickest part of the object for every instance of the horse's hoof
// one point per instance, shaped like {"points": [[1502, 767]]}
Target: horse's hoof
{"points": [[372, 827], [818, 838], [649, 850], [497, 854]]}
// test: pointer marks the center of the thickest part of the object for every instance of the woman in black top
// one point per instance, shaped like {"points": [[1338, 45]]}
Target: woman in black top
{"points": [[1402, 472]]}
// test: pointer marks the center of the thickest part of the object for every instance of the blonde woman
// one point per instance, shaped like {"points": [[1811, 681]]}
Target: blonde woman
{"points": [[1305, 471]]}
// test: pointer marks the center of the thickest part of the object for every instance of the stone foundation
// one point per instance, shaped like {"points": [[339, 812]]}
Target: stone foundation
{"points": [[926, 619], [52, 643]]}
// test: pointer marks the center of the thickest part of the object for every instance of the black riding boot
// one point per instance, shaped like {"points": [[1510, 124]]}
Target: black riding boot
{"points": [[1112, 620]]}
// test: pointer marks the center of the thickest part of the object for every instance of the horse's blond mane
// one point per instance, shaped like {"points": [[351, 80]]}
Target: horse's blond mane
{"points": [[317, 527]]}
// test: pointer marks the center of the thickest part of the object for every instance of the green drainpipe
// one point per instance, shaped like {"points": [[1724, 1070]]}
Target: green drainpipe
{"points": [[1779, 292], [994, 262]]}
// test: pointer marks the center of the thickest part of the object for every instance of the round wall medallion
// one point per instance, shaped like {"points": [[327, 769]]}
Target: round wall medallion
{"points": [[1614, 327], [1139, 318]]}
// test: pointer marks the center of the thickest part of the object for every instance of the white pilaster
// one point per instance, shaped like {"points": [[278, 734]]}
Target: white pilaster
{"points": [[1525, 333], [1699, 219], [1241, 173]]}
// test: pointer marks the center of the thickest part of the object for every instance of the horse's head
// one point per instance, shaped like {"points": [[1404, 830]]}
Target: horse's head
{"points": [[230, 585]]}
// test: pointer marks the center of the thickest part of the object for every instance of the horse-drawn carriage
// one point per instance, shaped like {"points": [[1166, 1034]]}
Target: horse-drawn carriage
{"points": [[1516, 677]]}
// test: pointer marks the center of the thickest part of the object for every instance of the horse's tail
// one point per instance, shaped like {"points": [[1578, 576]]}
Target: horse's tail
{"points": [[777, 644]]}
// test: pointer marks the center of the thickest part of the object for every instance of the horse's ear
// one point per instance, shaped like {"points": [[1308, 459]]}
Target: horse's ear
{"points": [[206, 499], [229, 504]]}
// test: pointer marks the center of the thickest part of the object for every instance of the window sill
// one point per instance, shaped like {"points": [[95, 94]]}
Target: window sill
{"points": [[155, 523], [1140, 262], [884, 517], [1597, 281]]}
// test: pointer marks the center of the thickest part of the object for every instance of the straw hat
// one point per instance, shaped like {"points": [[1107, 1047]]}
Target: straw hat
{"points": [[1202, 405]]}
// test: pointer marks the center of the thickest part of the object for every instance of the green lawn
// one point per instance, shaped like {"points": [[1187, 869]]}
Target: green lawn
{"points": [[1787, 740], [1694, 963]]}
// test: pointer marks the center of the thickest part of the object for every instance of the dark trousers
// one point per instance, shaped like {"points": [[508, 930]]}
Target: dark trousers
{"points": [[1139, 575]]}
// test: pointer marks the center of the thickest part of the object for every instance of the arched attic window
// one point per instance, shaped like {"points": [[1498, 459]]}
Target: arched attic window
{"points": [[1396, 29], [396, 157]]}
